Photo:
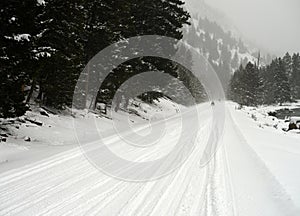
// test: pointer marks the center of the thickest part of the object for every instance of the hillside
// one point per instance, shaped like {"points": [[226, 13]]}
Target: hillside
{"points": [[213, 36]]}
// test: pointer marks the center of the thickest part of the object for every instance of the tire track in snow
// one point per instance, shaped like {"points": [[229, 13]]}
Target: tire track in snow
{"points": [[163, 186], [62, 181]]}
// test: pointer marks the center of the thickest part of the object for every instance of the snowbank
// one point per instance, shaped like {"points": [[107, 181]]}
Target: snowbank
{"points": [[278, 149], [40, 133], [263, 116]]}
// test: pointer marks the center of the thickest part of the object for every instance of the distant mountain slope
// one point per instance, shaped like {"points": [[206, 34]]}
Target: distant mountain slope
{"points": [[200, 7], [222, 47], [196, 7]]}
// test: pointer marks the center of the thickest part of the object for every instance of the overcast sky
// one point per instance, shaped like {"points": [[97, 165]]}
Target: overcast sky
{"points": [[272, 24]]}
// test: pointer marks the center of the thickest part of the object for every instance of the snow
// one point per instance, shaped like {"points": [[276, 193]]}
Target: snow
{"points": [[248, 56], [241, 56], [279, 150], [295, 119], [263, 120], [57, 133], [195, 22], [220, 41], [253, 172], [43, 51], [41, 2], [20, 37]]}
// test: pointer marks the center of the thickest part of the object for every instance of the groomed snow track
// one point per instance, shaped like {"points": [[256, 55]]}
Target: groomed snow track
{"points": [[235, 182]]}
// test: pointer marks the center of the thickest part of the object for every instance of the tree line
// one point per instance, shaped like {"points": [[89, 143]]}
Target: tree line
{"points": [[46, 44], [276, 83]]}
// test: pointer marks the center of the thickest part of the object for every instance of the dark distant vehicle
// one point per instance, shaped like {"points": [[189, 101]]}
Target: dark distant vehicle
{"points": [[212, 103]]}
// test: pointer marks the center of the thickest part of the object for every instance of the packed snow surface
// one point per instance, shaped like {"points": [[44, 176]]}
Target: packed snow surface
{"points": [[254, 172]]}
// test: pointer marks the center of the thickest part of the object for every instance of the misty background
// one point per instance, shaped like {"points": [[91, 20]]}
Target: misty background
{"points": [[272, 25]]}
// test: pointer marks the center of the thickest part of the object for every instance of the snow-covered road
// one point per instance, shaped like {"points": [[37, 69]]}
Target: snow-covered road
{"points": [[235, 182]]}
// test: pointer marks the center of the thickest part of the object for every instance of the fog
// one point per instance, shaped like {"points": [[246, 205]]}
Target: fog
{"points": [[271, 24]]}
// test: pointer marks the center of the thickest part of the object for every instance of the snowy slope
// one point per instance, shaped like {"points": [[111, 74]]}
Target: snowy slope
{"points": [[57, 133], [249, 55], [204, 9]]}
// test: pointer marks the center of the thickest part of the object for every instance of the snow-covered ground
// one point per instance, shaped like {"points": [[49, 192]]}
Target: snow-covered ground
{"points": [[254, 172], [57, 133], [279, 150], [263, 119]]}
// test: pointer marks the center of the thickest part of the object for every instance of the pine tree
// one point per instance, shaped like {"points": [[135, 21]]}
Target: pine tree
{"points": [[20, 27], [141, 18], [287, 60], [282, 90], [47, 45], [236, 86], [245, 84], [262, 86], [64, 24], [265, 85], [295, 80], [251, 82]]}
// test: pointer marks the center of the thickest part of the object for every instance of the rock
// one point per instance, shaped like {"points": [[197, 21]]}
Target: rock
{"points": [[44, 113], [27, 139], [292, 126], [273, 114], [4, 135], [11, 121], [34, 121]]}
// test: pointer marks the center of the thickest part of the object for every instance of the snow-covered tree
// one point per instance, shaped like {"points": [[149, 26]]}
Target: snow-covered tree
{"points": [[20, 30], [245, 85], [295, 77], [281, 86]]}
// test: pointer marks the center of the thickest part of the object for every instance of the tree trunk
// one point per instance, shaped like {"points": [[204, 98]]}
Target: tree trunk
{"points": [[31, 91]]}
